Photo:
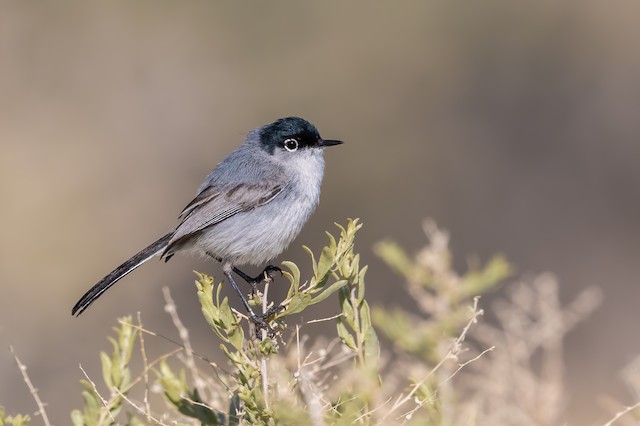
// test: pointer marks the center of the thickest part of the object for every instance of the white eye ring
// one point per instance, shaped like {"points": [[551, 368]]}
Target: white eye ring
{"points": [[290, 145]]}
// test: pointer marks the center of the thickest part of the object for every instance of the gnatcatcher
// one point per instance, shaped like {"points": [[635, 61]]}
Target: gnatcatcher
{"points": [[249, 208]]}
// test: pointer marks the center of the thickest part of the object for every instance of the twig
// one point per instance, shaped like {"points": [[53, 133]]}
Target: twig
{"points": [[145, 373], [32, 389], [105, 404], [263, 360], [171, 309], [174, 342], [140, 410], [460, 367], [622, 413], [201, 404], [370, 412], [325, 319], [451, 355], [402, 400], [464, 364], [298, 344], [151, 365]]}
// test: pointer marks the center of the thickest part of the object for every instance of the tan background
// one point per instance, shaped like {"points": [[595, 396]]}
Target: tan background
{"points": [[514, 124]]}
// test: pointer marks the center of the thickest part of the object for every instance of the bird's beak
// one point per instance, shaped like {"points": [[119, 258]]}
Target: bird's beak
{"points": [[329, 142]]}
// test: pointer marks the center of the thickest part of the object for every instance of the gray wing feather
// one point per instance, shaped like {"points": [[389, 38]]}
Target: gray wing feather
{"points": [[215, 204], [206, 195]]}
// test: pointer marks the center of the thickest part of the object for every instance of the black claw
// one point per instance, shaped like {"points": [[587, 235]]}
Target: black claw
{"points": [[267, 274], [270, 271]]}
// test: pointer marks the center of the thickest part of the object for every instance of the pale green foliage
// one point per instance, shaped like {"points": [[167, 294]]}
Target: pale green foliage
{"points": [[286, 378], [185, 399], [441, 294], [337, 269], [260, 385], [218, 313], [17, 420], [241, 352], [338, 260], [116, 375]]}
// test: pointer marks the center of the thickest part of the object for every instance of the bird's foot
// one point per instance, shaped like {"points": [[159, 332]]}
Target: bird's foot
{"points": [[272, 311], [265, 276], [261, 322]]}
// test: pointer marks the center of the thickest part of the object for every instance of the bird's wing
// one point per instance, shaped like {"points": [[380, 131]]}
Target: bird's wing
{"points": [[208, 194], [215, 204]]}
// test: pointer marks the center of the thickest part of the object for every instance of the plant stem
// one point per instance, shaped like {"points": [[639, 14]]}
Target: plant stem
{"points": [[263, 360]]}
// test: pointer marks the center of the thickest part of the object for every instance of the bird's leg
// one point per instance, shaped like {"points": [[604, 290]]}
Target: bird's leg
{"points": [[272, 311], [263, 276], [266, 274], [259, 321]]}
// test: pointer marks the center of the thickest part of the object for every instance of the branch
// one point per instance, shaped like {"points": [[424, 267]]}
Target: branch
{"points": [[32, 389]]}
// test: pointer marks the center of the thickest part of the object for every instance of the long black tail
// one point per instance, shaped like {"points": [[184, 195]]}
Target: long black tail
{"points": [[141, 257]]}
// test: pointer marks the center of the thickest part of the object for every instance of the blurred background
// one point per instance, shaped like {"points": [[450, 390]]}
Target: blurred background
{"points": [[513, 124]]}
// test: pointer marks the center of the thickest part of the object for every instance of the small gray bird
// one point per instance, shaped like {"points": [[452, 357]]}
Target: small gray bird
{"points": [[249, 208]]}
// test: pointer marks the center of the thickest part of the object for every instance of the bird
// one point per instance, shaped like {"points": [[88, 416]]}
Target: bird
{"points": [[247, 211]]}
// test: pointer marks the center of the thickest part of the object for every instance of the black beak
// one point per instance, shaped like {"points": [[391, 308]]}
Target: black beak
{"points": [[328, 142]]}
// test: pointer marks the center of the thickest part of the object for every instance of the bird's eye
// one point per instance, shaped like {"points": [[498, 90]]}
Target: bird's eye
{"points": [[291, 145]]}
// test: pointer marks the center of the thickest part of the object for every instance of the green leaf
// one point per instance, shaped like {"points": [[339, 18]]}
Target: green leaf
{"points": [[361, 288], [91, 405], [76, 418], [205, 296], [134, 421], [343, 231], [173, 387], [106, 369], [365, 317], [344, 334], [226, 316], [347, 309], [313, 260], [266, 347], [371, 342], [295, 277], [126, 339], [298, 303], [236, 337], [233, 330], [126, 379], [329, 291], [18, 420], [194, 407], [476, 282], [371, 347], [395, 257], [325, 263], [332, 241], [355, 225]]}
